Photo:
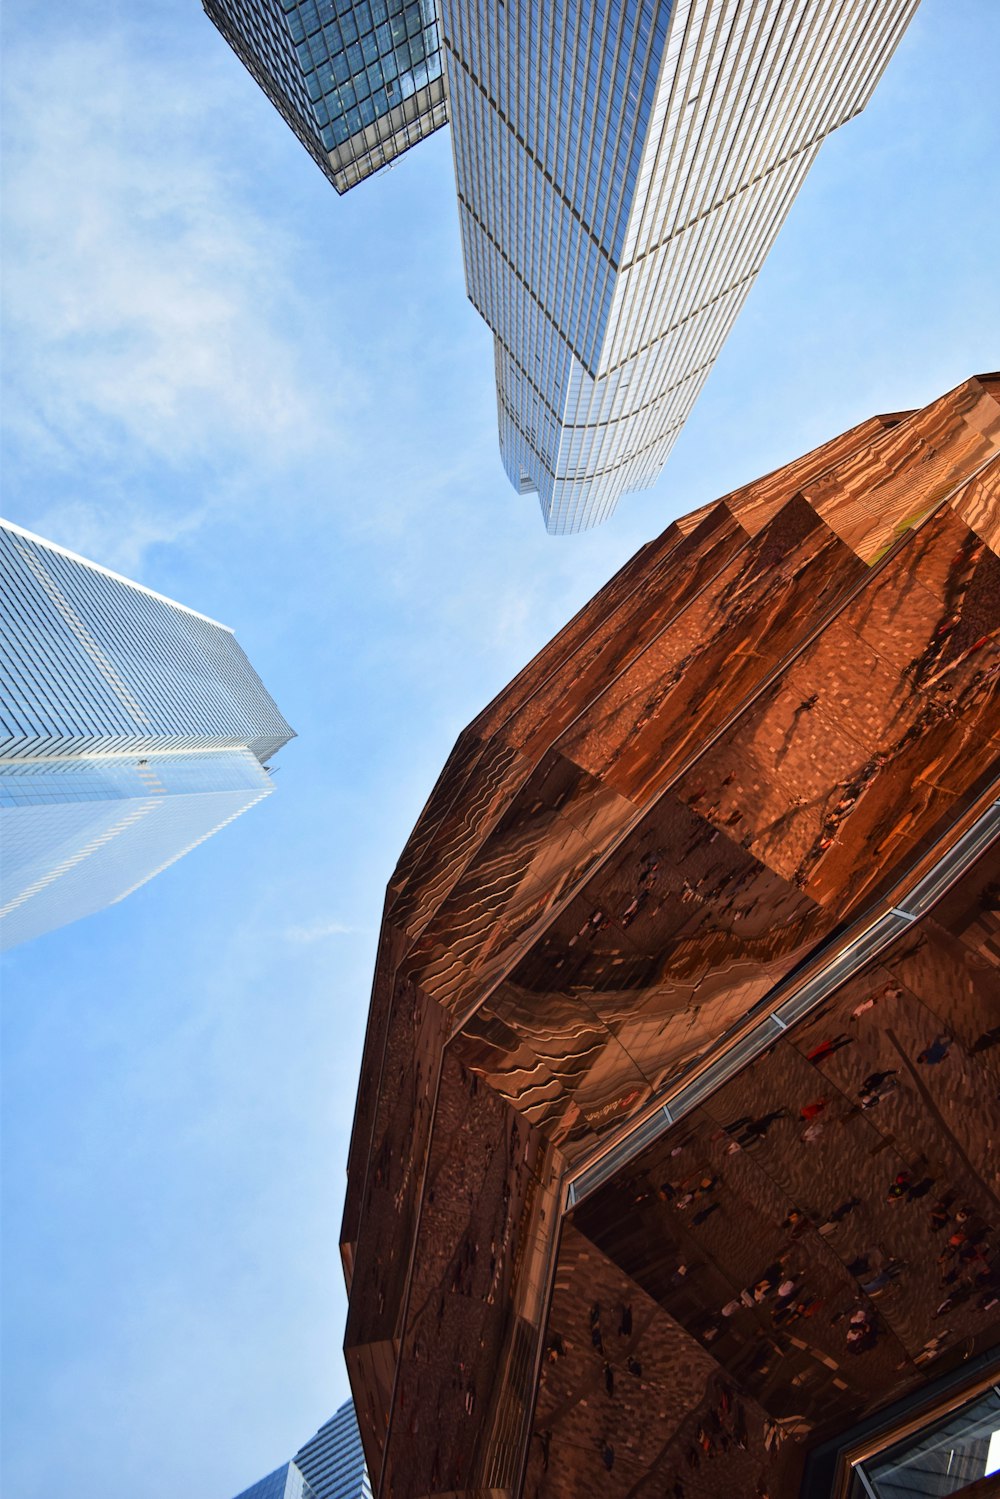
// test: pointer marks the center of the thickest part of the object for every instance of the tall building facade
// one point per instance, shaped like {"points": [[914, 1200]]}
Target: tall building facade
{"points": [[623, 168], [331, 1465], [133, 729], [285, 1482], [359, 81], [674, 1151], [333, 1460], [622, 171]]}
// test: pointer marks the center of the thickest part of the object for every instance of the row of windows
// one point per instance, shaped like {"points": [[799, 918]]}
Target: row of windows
{"points": [[117, 778], [359, 60], [336, 69], [63, 863], [745, 96], [89, 656]]}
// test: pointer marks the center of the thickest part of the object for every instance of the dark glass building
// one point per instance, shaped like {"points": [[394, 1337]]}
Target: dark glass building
{"points": [[359, 81]]}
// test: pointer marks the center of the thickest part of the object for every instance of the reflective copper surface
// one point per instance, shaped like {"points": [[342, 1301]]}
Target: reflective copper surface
{"points": [[757, 733]]}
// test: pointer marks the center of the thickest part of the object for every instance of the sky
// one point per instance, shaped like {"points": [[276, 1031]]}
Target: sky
{"points": [[277, 406]]}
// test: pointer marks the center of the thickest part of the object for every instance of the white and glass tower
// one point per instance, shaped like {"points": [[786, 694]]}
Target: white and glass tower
{"points": [[331, 1465], [623, 168], [131, 729]]}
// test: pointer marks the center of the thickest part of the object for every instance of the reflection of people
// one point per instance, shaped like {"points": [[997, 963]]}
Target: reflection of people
{"points": [[936, 1051], [899, 1187], [827, 1048]]}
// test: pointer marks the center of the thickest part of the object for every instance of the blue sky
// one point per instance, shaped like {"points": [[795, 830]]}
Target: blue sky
{"points": [[277, 406]]}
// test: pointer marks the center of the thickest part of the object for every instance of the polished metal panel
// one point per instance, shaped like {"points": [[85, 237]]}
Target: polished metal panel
{"points": [[729, 822]]}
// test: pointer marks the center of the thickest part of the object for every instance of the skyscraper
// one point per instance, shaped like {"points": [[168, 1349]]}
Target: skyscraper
{"points": [[359, 81], [623, 168], [622, 171], [674, 1151], [333, 1460], [132, 729], [285, 1482], [331, 1465]]}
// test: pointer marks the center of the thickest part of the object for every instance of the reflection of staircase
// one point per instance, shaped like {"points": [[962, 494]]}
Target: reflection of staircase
{"points": [[944, 1460]]}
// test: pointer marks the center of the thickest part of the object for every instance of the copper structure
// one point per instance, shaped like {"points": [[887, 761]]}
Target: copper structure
{"points": [[675, 1142]]}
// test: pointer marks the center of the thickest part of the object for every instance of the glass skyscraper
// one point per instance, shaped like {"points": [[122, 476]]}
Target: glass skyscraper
{"points": [[357, 80], [331, 1465], [623, 168], [131, 729], [285, 1482]]}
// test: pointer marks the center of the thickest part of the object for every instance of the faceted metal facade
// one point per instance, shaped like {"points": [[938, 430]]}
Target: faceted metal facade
{"points": [[131, 729], [359, 81], [623, 168], [672, 1152]]}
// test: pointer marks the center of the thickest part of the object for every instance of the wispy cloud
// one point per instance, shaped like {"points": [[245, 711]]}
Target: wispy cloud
{"points": [[317, 931], [151, 323]]}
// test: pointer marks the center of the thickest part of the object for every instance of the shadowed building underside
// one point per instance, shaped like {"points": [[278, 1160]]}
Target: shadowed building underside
{"points": [[672, 1147]]}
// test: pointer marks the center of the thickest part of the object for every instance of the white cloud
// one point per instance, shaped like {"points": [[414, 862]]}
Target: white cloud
{"points": [[151, 323], [116, 537], [317, 931]]}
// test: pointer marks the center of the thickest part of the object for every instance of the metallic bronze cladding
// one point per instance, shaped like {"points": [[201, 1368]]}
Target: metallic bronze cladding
{"points": [[756, 739]]}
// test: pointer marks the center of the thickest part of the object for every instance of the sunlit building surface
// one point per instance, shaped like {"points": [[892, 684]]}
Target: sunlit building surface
{"points": [[359, 81], [331, 1465], [622, 171], [622, 167], [131, 729], [674, 1156]]}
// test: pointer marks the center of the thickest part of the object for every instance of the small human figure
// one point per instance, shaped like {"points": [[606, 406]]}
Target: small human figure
{"points": [[874, 1080], [608, 1456], [936, 1051], [920, 1189], [827, 1048], [609, 1379], [939, 1217], [796, 1222], [839, 1214], [899, 1187]]}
